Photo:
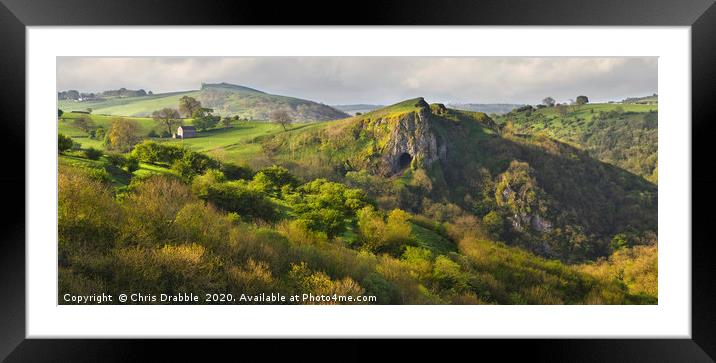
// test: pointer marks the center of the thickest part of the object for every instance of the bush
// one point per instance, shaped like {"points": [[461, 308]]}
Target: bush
{"points": [[324, 206], [87, 214], [92, 153], [131, 163], [270, 180], [448, 275], [99, 133], [158, 153], [115, 159], [235, 172], [236, 196], [193, 163], [380, 236], [152, 205], [64, 143]]}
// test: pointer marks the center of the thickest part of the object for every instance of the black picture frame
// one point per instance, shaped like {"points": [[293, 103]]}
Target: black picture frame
{"points": [[16, 15]]}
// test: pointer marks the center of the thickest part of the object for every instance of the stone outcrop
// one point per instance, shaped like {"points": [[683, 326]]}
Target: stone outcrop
{"points": [[412, 137]]}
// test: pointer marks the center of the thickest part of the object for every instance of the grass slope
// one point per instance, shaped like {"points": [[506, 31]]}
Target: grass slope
{"points": [[624, 135], [225, 99]]}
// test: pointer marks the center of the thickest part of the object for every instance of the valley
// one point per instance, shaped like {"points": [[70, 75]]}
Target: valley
{"points": [[414, 203]]}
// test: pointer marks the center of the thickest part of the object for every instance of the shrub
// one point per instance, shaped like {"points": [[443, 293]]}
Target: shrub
{"points": [[270, 180], [202, 224], [157, 153], [115, 159], [448, 275], [193, 163], [251, 278], [64, 143], [99, 133], [236, 196], [235, 172], [131, 163], [378, 235], [200, 185], [494, 223], [87, 214], [92, 153], [152, 205]]}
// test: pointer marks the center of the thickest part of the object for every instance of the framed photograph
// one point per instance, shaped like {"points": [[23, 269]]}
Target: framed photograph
{"points": [[455, 171]]}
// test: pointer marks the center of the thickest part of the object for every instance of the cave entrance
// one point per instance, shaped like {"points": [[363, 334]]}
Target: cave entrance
{"points": [[405, 160]]}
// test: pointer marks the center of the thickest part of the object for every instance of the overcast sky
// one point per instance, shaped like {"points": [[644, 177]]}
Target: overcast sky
{"points": [[378, 80]]}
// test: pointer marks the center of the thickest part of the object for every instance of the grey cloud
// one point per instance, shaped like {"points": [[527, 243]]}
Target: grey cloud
{"points": [[335, 80]]}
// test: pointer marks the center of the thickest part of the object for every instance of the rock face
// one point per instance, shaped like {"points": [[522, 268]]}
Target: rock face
{"points": [[412, 142], [521, 220]]}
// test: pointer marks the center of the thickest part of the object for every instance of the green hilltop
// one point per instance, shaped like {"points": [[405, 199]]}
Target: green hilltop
{"points": [[624, 135], [224, 98], [421, 157]]}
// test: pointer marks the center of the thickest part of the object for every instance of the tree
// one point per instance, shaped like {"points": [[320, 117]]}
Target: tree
{"points": [[582, 100], [166, 117], [188, 106], [59, 113], [548, 101], [203, 119], [226, 121], [83, 123], [64, 143], [280, 117], [206, 122], [122, 135], [92, 153]]}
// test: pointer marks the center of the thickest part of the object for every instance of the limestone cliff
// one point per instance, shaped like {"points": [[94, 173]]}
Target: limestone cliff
{"points": [[412, 141]]}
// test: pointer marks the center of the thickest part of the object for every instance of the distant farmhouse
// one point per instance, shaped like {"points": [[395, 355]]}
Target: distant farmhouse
{"points": [[185, 132]]}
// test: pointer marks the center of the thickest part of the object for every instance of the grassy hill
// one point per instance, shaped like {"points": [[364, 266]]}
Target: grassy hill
{"points": [[148, 231], [356, 108], [488, 108], [473, 158], [653, 99], [414, 203], [225, 99], [624, 135]]}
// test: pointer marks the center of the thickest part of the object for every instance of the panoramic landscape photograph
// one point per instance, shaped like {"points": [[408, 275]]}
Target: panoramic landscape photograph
{"points": [[357, 180]]}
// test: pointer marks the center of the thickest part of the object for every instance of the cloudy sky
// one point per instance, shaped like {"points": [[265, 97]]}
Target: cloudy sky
{"points": [[378, 80]]}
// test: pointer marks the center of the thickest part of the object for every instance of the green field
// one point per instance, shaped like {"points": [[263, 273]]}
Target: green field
{"points": [[224, 99], [237, 144], [127, 106], [624, 135], [589, 110]]}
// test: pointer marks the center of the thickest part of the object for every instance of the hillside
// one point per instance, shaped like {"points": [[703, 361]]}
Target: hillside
{"points": [[541, 194], [412, 203], [488, 108], [623, 135], [646, 100], [226, 100], [356, 108]]}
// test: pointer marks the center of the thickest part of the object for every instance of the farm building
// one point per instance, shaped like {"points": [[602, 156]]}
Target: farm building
{"points": [[184, 132]]}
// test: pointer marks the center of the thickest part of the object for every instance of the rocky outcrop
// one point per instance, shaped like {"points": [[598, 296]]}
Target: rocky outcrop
{"points": [[521, 220], [412, 140]]}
